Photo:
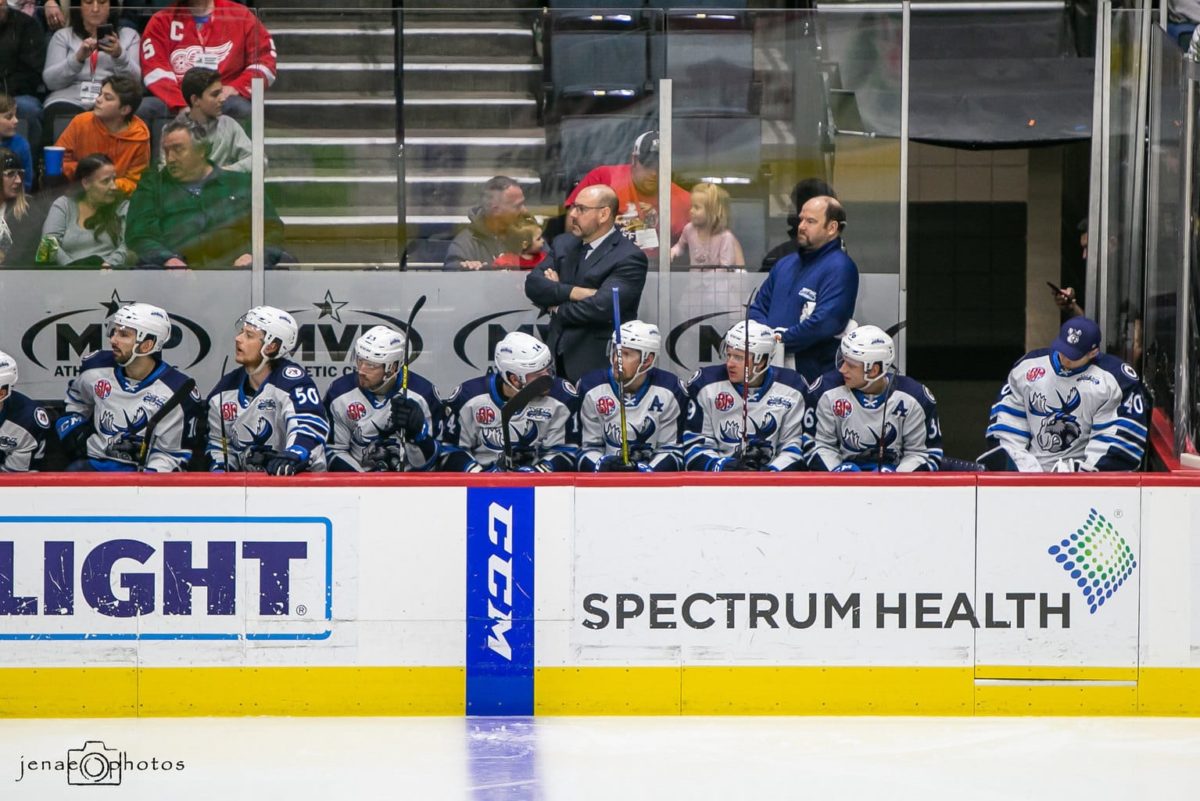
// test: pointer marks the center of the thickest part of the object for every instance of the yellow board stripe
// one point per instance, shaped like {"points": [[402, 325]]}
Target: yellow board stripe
{"points": [[174, 692]]}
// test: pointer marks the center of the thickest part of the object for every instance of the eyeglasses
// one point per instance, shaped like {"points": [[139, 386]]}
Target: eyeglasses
{"points": [[14, 173], [579, 207]]}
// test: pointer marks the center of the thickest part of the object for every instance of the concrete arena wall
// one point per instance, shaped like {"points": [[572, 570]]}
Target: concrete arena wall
{"points": [[694, 594]]}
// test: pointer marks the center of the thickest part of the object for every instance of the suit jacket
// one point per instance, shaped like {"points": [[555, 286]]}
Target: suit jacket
{"points": [[580, 330]]}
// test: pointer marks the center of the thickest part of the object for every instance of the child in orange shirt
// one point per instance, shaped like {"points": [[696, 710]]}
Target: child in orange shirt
{"points": [[110, 128]]}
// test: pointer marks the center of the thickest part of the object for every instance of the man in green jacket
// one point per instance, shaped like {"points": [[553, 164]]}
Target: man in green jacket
{"points": [[191, 213]]}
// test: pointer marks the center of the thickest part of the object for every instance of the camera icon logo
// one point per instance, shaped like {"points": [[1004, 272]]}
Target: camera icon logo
{"points": [[94, 764]]}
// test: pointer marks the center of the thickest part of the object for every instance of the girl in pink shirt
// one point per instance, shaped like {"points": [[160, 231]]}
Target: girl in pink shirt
{"points": [[706, 240]]}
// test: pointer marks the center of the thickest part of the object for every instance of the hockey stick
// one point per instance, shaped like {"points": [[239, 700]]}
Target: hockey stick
{"points": [[176, 398], [746, 376], [534, 389], [221, 411], [402, 462], [619, 372], [891, 331]]}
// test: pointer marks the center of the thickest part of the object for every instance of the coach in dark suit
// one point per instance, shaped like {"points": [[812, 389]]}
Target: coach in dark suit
{"points": [[576, 286]]}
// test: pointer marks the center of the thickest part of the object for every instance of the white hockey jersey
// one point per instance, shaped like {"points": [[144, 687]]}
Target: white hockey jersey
{"points": [[775, 418], [23, 429], [544, 435], [356, 417], [286, 411], [845, 425], [1094, 415], [654, 417], [120, 408]]}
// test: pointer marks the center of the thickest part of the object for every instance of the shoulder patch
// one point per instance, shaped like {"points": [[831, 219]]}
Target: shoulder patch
{"points": [[195, 394], [929, 394], [457, 391], [1129, 371], [292, 371], [569, 388], [695, 375], [41, 418]]}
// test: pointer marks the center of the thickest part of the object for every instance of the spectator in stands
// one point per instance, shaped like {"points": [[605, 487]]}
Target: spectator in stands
{"points": [[526, 248], [229, 146], [802, 192], [477, 245], [192, 213], [706, 240], [10, 139], [53, 12], [809, 296], [576, 285], [22, 54], [79, 59], [216, 34], [18, 224], [89, 223], [636, 186], [110, 128]]}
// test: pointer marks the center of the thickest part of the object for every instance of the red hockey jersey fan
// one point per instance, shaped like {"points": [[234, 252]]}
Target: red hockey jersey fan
{"points": [[232, 41]]}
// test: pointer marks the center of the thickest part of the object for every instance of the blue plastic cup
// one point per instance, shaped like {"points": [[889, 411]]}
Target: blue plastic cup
{"points": [[53, 159]]}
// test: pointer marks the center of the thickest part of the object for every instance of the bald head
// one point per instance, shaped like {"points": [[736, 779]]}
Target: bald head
{"points": [[593, 213], [821, 221]]}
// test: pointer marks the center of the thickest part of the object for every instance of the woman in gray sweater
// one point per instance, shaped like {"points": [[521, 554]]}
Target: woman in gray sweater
{"points": [[89, 223]]}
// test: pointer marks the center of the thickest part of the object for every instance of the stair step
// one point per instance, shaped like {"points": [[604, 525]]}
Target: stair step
{"points": [[422, 110], [437, 39], [496, 150], [366, 75], [424, 190]]}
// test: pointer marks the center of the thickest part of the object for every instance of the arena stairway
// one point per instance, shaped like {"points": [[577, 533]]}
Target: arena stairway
{"points": [[471, 112]]}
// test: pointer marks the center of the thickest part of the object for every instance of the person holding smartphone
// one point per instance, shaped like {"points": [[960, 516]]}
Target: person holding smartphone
{"points": [[80, 58]]}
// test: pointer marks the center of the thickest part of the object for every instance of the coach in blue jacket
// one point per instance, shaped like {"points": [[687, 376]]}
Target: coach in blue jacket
{"points": [[809, 296]]}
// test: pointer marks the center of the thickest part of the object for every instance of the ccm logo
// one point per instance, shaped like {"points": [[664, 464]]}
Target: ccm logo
{"points": [[500, 579]]}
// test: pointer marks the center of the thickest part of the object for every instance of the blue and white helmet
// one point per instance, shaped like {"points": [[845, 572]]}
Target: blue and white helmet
{"points": [[869, 345], [276, 325], [8, 371], [380, 345], [643, 337], [146, 320], [521, 355]]}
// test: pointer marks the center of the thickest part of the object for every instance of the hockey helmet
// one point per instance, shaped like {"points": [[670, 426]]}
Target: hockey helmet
{"points": [[521, 355], [640, 336], [146, 321], [761, 344], [380, 345], [869, 345], [276, 325], [8, 371]]}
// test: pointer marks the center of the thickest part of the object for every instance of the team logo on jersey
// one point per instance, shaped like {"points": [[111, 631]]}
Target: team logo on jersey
{"points": [[724, 401], [605, 406], [356, 411], [229, 411], [842, 408], [929, 394], [292, 371], [41, 418], [1060, 427], [485, 415], [7, 442], [1035, 373], [1129, 371], [185, 58], [103, 389]]}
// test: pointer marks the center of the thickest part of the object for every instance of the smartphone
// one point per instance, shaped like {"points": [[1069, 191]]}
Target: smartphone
{"points": [[105, 32], [1054, 289]]}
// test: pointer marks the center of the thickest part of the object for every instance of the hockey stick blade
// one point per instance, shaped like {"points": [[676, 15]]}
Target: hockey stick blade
{"points": [[412, 316], [892, 330], [534, 389], [176, 398]]}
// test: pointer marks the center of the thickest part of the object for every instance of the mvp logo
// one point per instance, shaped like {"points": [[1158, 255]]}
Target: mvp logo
{"points": [[1096, 558]]}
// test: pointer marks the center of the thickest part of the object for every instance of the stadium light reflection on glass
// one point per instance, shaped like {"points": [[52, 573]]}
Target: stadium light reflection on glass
{"points": [[728, 179]]}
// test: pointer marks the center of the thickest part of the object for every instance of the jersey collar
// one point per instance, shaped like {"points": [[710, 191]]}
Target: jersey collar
{"points": [[1056, 363], [131, 386], [637, 396], [756, 392]]}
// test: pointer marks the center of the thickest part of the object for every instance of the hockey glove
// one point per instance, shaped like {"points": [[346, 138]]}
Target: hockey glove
{"points": [[613, 464], [384, 456], [408, 417], [288, 463], [125, 449], [847, 467], [74, 431], [729, 464], [757, 455]]}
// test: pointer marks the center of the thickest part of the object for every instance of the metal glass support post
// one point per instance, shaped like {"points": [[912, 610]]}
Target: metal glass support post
{"points": [[1183, 299], [665, 143], [258, 276], [1097, 263], [902, 299], [401, 185]]}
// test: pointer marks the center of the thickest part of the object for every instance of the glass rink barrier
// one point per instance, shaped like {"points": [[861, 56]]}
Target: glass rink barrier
{"points": [[351, 188]]}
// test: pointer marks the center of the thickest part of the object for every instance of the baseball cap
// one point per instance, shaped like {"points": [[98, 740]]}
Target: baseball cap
{"points": [[9, 160], [645, 149], [1077, 337]]}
